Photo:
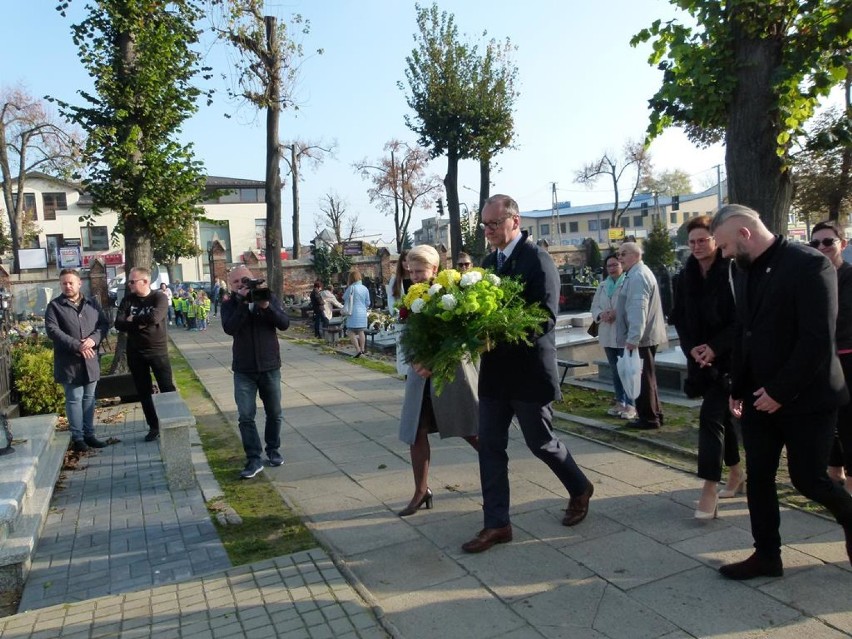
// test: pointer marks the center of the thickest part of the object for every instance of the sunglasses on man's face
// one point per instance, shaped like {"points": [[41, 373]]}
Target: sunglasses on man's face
{"points": [[465, 264], [826, 242]]}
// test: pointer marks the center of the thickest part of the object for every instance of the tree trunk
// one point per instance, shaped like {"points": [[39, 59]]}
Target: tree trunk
{"points": [[294, 175], [451, 185], [274, 273], [479, 247], [757, 176], [844, 180]]}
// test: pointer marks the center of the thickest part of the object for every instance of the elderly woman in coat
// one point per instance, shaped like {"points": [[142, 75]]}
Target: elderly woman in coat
{"points": [[453, 413], [76, 325]]}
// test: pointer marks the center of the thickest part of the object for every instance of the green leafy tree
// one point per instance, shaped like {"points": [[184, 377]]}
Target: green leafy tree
{"points": [[330, 263], [593, 256], [750, 73], [659, 249], [462, 102], [139, 53]]}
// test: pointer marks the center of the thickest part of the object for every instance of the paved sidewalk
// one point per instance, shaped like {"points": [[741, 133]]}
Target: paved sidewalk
{"points": [[639, 566]]}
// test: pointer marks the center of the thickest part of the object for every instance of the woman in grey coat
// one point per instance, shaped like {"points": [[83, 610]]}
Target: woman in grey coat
{"points": [[76, 325], [453, 413]]}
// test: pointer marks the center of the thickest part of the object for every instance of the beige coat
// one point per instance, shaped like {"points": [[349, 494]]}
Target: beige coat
{"points": [[639, 313]]}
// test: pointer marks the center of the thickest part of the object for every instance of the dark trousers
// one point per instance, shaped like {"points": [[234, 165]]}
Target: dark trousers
{"points": [[841, 451], [320, 322], [141, 366], [717, 436], [495, 417], [808, 440], [648, 403]]}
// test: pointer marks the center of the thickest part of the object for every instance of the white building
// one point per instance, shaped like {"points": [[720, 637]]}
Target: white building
{"points": [[56, 207]]}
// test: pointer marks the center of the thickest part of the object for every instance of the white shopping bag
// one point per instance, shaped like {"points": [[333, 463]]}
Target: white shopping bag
{"points": [[629, 367]]}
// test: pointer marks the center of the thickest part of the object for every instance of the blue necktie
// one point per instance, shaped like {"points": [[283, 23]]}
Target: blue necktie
{"points": [[501, 259]]}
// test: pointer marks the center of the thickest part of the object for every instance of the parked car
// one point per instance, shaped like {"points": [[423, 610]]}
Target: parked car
{"points": [[117, 285]]}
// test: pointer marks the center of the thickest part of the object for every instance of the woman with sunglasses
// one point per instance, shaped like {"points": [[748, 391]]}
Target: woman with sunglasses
{"points": [[829, 239], [703, 315]]}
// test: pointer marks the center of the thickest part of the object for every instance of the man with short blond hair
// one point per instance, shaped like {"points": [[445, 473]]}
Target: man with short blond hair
{"points": [[143, 315], [786, 378]]}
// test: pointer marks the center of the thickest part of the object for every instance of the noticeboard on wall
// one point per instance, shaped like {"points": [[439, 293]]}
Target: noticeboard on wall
{"points": [[32, 258]]}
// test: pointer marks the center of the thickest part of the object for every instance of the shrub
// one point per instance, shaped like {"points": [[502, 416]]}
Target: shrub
{"points": [[32, 374]]}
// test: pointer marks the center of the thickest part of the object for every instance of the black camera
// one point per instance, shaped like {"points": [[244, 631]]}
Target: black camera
{"points": [[256, 293]]}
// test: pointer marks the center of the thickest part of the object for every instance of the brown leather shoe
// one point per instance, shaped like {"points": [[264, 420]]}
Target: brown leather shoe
{"points": [[487, 537], [578, 507]]}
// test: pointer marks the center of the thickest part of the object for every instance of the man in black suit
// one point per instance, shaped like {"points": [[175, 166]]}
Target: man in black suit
{"points": [[786, 378], [521, 381]]}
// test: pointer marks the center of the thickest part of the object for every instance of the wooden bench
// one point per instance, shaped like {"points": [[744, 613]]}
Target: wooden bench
{"points": [[566, 364]]}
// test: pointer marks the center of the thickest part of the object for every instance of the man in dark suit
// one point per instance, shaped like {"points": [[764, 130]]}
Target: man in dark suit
{"points": [[521, 381], [786, 378]]}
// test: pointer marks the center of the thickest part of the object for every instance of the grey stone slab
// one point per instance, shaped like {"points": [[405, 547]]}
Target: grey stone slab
{"points": [[823, 592], [629, 559], [523, 568], [457, 609], [701, 603], [361, 534], [546, 525]]}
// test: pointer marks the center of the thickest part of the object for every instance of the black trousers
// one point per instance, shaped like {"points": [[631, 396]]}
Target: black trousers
{"points": [[495, 417], [141, 366], [808, 439], [841, 451], [717, 436], [648, 403]]}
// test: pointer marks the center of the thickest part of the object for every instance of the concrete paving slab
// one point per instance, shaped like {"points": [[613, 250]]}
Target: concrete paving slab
{"points": [[704, 605], [630, 560], [358, 535]]}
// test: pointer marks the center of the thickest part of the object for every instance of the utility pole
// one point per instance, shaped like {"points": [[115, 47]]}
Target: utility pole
{"points": [[718, 186], [554, 218]]}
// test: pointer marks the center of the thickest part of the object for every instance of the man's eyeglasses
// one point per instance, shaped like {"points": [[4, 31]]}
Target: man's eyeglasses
{"points": [[465, 264], [700, 241], [826, 242], [496, 224]]}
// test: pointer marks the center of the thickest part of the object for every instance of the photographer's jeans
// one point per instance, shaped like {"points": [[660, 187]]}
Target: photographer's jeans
{"points": [[247, 386], [80, 409]]}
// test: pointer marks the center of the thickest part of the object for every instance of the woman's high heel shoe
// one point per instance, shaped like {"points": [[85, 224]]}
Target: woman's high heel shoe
{"points": [[705, 516], [412, 508], [732, 490]]}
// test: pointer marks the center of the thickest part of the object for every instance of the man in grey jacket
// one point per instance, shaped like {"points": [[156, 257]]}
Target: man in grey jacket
{"points": [[76, 325], [641, 325]]}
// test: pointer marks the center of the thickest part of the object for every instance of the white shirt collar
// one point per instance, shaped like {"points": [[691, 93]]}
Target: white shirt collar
{"points": [[507, 251]]}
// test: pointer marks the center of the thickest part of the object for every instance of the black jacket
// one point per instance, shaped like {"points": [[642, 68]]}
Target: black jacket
{"points": [[67, 326], [147, 333], [255, 348], [518, 371], [703, 313], [785, 337]]}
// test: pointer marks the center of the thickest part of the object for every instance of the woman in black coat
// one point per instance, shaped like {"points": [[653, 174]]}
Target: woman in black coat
{"points": [[703, 315], [76, 325]]}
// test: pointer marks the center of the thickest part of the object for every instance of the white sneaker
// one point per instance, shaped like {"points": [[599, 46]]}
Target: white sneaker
{"points": [[616, 410], [629, 413]]}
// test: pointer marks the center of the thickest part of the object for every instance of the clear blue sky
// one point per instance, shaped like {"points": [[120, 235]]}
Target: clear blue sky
{"points": [[583, 90]]}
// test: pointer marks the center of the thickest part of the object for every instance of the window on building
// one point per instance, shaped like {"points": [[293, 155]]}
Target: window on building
{"points": [[260, 233], [54, 202], [638, 221], [593, 225], [574, 227], [545, 229], [673, 217], [675, 202], [604, 224], [29, 206], [252, 195], [644, 208], [94, 238], [207, 232]]}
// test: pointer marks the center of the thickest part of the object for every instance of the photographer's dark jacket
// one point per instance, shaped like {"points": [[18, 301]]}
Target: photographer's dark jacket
{"points": [[704, 313], [146, 331], [67, 325], [255, 348]]}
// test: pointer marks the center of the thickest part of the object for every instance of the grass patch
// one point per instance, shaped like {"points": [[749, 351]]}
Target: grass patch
{"points": [[269, 528], [302, 335]]}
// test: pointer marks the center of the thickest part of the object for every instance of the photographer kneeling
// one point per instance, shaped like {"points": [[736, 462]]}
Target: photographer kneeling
{"points": [[252, 316]]}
